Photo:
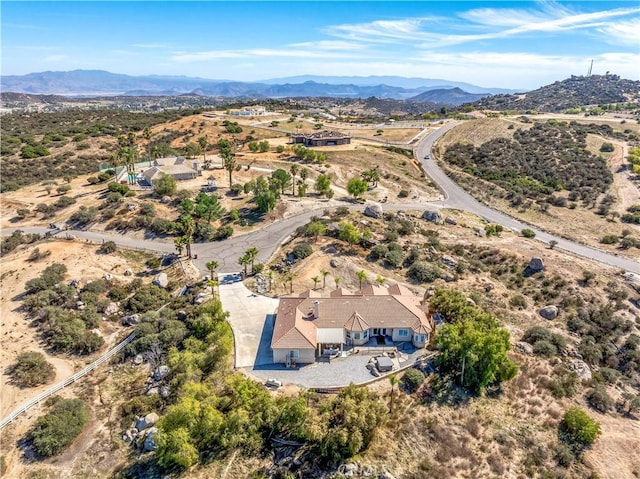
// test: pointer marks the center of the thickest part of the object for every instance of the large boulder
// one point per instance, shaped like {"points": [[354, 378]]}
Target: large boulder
{"points": [[373, 211], [112, 308], [450, 220], [449, 261], [549, 312], [161, 280], [147, 421], [131, 320], [524, 348], [150, 440], [536, 265], [433, 216], [581, 369]]}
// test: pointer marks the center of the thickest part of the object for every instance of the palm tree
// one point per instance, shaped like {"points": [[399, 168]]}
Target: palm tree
{"points": [[294, 170], [324, 274], [270, 276], [304, 174], [315, 280], [361, 276], [146, 134], [289, 277], [179, 242], [188, 228], [213, 283], [244, 260], [337, 280], [203, 142], [393, 380], [252, 253], [380, 280], [229, 163], [212, 266]]}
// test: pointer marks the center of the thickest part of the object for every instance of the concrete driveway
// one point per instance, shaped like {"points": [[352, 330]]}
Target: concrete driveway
{"points": [[251, 317]]}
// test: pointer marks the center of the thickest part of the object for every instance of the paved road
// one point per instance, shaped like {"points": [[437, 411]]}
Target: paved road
{"points": [[269, 238], [456, 197]]}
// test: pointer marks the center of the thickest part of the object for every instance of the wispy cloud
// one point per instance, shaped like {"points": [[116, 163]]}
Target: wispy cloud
{"points": [[328, 45], [55, 58], [149, 45], [383, 31], [330, 50], [623, 32]]}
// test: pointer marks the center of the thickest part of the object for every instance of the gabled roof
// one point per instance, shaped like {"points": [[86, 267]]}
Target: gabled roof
{"points": [[337, 293], [291, 330], [373, 290]]}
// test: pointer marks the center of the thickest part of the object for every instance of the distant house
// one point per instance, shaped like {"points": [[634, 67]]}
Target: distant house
{"points": [[178, 167], [308, 325], [322, 138], [250, 111]]}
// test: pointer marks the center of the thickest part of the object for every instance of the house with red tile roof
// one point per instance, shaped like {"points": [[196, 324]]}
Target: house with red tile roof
{"points": [[308, 324]]}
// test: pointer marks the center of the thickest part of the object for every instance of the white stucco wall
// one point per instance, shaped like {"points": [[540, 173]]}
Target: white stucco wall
{"points": [[305, 356], [330, 335]]}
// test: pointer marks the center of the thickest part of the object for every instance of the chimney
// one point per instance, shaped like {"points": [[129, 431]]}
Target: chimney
{"points": [[316, 305]]}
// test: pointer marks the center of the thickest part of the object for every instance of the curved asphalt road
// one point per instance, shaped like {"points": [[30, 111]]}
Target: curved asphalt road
{"points": [[269, 238]]}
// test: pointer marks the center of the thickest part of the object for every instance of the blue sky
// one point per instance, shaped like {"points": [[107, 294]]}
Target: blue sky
{"points": [[493, 44]]}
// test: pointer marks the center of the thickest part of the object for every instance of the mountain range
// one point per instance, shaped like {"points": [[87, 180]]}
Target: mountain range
{"points": [[98, 82]]}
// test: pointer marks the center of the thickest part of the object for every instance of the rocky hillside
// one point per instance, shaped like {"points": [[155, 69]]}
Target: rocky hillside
{"points": [[449, 96], [573, 92]]}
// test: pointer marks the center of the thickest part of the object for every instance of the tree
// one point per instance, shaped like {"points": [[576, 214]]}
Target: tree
{"points": [[31, 369], [323, 185], [229, 163], [62, 189], [304, 174], [289, 278], [204, 142], [165, 185], [361, 277], [57, 429], [264, 197], [179, 244], [393, 379], [552, 244], [357, 187], [188, 226], [282, 179], [475, 348], [580, 427], [294, 170], [315, 229], [324, 274], [371, 176], [252, 254], [208, 207], [380, 280], [213, 284], [315, 280], [146, 134], [244, 261], [347, 232], [337, 281], [212, 266]]}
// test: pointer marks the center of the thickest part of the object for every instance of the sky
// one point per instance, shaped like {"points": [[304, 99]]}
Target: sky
{"points": [[502, 44]]}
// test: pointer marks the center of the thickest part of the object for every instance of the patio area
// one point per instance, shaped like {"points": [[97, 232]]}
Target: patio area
{"points": [[339, 372]]}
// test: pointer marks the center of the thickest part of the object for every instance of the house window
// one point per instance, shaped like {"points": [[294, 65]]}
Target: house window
{"points": [[294, 354], [403, 333], [356, 335], [348, 334], [419, 338], [365, 334]]}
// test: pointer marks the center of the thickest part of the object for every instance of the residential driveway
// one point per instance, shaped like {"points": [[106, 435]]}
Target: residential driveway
{"points": [[251, 317]]}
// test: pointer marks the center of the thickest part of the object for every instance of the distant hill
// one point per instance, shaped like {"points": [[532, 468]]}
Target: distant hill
{"points": [[98, 82], [573, 92], [451, 96]]}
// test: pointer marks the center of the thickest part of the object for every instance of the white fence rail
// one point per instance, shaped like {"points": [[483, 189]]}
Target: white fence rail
{"points": [[55, 388]]}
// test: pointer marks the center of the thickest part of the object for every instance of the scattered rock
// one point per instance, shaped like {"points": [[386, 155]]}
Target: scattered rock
{"points": [[138, 359], [549, 312], [633, 279], [131, 320], [449, 261], [488, 287], [128, 272], [480, 232], [581, 368], [161, 280], [433, 216], [112, 308], [97, 332], [428, 293], [448, 278], [79, 305], [202, 298], [164, 391], [373, 211], [131, 206], [536, 265], [386, 475], [165, 199], [160, 372], [153, 390], [147, 421], [524, 348], [471, 302], [150, 440], [334, 263], [450, 220], [127, 436], [181, 315], [330, 249], [107, 277], [74, 283]]}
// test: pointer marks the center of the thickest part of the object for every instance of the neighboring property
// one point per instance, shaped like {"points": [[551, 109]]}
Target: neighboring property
{"points": [[322, 138], [250, 111], [308, 325], [178, 167]]}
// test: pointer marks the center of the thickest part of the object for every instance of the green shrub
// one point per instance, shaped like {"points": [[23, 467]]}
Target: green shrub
{"points": [[57, 429], [607, 147], [302, 250], [518, 301], [544, 348], [580, 427], [609, 239], [412, 380], [528, 233], [107, 247], [31, 369], [423, 272], [599, 399]]}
